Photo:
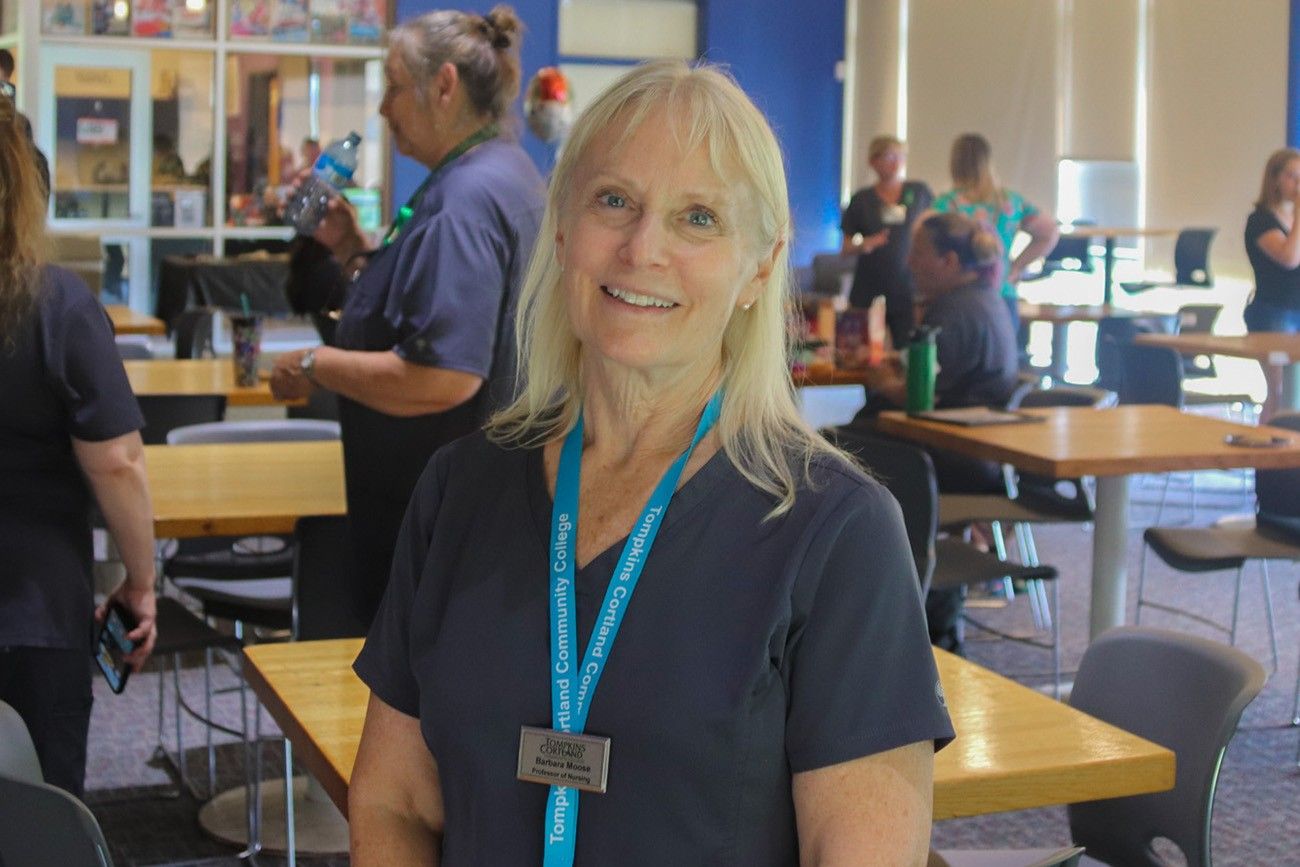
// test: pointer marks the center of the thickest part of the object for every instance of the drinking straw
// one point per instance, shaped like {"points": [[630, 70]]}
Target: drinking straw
{"points": [[243, 300]]}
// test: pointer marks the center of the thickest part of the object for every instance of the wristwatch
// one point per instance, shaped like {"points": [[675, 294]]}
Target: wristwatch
{"points": [[307, 364]]}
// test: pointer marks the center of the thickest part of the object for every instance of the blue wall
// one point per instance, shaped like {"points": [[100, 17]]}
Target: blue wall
{"points": [[1293, 79], [783, 53]]}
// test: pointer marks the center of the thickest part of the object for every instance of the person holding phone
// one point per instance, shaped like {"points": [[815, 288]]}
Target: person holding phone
{"points": [[70, 431]]}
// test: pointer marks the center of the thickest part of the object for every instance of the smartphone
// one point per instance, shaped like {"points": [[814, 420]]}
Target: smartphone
{"points": [[1251, 441], [112, 646]]}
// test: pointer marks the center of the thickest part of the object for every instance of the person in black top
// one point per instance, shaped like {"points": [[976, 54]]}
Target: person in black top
{"points": [[69, 431], [1273, 246], [876, 226], [770, 698]]}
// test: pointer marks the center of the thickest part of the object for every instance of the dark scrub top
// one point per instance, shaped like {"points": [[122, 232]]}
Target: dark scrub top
{"points": [[753, 649], [883, 271], [442, 295], [976, 348], [61, 379], [1275, 306]]}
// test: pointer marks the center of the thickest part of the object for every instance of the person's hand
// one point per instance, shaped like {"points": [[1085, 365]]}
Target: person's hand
{"points": [[339, 229], [143, 606], [288, 382], [872, 243]]}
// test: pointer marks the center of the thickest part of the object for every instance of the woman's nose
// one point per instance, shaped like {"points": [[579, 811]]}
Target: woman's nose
{"points": [[646, 243]]}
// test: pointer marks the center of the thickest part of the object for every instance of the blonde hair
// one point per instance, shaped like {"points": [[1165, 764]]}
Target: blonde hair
{"points": [[971, 166], [1277, 163], [483, 48], [22, 223], [882, 143], [760, 427]]}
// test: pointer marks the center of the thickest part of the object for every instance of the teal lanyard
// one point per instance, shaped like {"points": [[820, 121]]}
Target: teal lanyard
{"points": [[569, 705], [405, 212]]}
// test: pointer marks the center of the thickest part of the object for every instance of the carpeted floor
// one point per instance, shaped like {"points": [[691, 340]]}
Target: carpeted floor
{"points": [[1257, 812]]}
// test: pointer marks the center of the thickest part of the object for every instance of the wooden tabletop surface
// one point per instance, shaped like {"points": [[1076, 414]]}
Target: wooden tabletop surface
{"points": [[1270, 347], [1081, 441], [127, 321], [242, 488], [824, 375], [161, 376], [1032, 312], [1015, 748], [1077, 231]]}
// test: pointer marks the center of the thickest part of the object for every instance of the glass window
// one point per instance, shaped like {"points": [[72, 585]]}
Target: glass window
{"points": [[332, 22], [92, 116], [280, 111], [181, 167]]}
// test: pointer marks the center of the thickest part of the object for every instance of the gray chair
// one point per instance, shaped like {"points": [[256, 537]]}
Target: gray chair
{"points": [[1183, 692], [44, 826], [18, 758], [40, 825], [829, 271], [941, 562], [133, 347], [255, 431], [1228, 545]]}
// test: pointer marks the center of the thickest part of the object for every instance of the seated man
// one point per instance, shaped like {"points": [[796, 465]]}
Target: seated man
{"points": [[955, 263]]}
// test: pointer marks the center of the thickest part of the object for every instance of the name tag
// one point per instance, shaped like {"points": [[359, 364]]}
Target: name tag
{"points": [[555, 758], [893, 215]]}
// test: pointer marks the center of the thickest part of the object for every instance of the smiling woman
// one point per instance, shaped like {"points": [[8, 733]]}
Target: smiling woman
{"points": [[765, 697]]}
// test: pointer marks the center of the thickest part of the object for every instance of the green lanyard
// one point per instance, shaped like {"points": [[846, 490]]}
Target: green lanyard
{"points": [[405, 213]]}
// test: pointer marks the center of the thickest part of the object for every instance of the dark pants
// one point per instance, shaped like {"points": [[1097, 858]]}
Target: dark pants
{"points": [[50, 689]]}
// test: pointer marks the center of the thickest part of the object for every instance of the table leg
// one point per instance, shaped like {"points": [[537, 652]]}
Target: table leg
{"points": [[1109, 555], [1059, 332], [1291, 387], [1108, 272]]}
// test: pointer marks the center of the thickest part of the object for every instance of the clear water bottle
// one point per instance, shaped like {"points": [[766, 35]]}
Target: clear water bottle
{"points": [[332, 172]]}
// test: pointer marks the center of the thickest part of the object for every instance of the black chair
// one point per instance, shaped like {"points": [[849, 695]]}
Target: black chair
{"points": [[133, 347], [1274, 534], [1072, 253], [829, 270], [941, 562], [1150, 374], [192, 332], [322, 561], [1118, 331], [163, 413], [1191, 263], [1198, 319]]}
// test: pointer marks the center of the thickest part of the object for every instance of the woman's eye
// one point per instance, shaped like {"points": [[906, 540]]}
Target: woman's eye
{"points": [[702, 219], [612, 200]]}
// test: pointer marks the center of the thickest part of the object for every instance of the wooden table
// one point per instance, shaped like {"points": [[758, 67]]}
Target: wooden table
{"points": [[1110, 444], [127, 321], [243, 488], [823, 375], [1015, 748], [1110, 234], [162, 376], [1270, 348]]}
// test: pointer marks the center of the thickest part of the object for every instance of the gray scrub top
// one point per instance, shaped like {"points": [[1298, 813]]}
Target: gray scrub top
{"points": [[752, 650]]}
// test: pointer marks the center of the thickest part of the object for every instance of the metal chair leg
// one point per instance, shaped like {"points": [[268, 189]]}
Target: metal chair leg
{"points": [[290, 843], [1142, 579], [1236, 606], [1268, 610]]}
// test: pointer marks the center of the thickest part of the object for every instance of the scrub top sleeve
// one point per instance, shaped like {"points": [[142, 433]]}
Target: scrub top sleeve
{"points": [[851, 223], [945, 203], [862, 677], [86, 370], [454, 279], [384, 663]]}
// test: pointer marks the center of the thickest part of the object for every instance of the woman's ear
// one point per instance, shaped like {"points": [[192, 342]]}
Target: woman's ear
{"points": [[762, 273]]}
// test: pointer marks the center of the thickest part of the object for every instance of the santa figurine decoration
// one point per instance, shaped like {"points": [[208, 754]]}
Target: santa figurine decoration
{"points": [[547, 107]]}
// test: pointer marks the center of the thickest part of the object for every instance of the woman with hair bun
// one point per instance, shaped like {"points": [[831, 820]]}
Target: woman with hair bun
{"points": [[424, 349], [955, 262]]}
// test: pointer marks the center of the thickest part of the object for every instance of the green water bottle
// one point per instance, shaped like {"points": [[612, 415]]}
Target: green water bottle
{"points": [[922, 359]]}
